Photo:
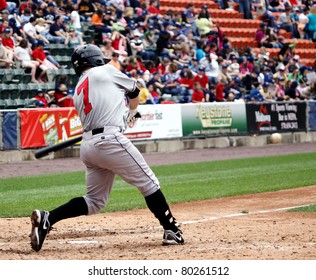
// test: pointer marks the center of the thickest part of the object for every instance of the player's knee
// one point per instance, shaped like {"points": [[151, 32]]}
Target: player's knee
{"points": [[95, 205]]}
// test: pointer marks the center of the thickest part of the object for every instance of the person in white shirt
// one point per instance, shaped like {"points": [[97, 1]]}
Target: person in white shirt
{"points": [[23, 53], [74, 17], [211, 67]]}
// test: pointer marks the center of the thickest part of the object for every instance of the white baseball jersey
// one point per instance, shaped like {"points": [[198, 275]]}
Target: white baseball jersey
{"points": [[100, 97], [100, 101]]}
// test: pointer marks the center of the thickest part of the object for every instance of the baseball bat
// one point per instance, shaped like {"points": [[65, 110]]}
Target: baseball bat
{"points": [[56, 147]]}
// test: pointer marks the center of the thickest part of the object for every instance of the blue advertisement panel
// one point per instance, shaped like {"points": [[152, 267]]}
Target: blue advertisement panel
{"points": [[312, 115], [9, 130], [276, 117]]}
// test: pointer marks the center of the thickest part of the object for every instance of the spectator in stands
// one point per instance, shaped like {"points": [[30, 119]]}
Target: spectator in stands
{"points": [[6, 56], [86, 10], [266, 92], [51, 14], [285, 22], [291, 92], [7, 40], [26, 16], [73, 39], [279, 93], [144, 95], [28, 4], [153, 7], [302, 25], [204, 24], [138, 48], [31, 34], [233, 68], [44, 64], [311, 26], [23, 53], [63, 99], [74, 18], [171, 80], [197, 95], [43, 97], [115, 60], [245, 8], [57, 31], [211, 67], [254, 94]]}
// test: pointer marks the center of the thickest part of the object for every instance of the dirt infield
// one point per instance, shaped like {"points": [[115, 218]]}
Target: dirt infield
{"points": [[247, 227]]}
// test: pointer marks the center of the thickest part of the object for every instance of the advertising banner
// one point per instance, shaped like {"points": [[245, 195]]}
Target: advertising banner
{"points": [[212, 119], [312, 115], [276, 117], [9, 130], [43, 127], [157, 122]]}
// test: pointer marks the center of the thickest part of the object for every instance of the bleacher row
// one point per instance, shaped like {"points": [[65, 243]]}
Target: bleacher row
{"points": [[16, 91]]}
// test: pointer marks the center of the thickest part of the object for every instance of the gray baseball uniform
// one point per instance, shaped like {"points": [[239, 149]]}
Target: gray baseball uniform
{"points": [[101, 104]]}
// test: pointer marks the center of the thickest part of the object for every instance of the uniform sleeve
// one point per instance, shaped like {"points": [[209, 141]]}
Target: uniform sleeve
{"points": [[121, 80]]}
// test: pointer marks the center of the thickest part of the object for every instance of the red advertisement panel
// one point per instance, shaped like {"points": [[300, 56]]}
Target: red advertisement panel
{"points": [[43, 127]]}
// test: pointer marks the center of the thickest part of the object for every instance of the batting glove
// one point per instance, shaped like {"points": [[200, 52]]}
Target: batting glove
{"points": [[132, 117]]}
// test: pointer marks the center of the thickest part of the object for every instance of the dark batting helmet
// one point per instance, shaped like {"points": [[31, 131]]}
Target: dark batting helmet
{"points": [[87, 56]]}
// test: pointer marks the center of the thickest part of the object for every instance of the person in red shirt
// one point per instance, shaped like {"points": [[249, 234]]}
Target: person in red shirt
{"points": [[186, 81], [42, 97], [63, 99], [153, 7], [7, 39], [202, 78], [219, 97], [198, 95], [39, 55]]}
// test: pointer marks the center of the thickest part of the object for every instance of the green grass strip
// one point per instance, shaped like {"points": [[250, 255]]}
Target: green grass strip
{"points": [[310, 208], [180, 183]]}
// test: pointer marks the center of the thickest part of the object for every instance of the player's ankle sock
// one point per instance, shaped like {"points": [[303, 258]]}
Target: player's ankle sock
{"points": [[157, 204], [73, 208]]}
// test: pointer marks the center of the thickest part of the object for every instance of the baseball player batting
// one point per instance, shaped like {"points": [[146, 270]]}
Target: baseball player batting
{"points": [[106, 101]]}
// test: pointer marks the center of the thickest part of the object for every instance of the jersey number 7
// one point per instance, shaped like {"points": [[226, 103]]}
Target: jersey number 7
{"points": [[84, 87]]}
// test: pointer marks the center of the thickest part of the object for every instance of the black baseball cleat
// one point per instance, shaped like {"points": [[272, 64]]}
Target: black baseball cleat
{"points": [[40, 228], [172, 238]]}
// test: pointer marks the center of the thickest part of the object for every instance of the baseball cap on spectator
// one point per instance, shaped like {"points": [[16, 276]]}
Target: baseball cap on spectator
{"points": [[7, 30], [226, 46], [282, 67], [39, 103], [139, 72], [108, 12], [5, 12], [51, 4], [40, 90], [237, 79], [262, 24], [224, 66], [204, 7], [201, 68], [296, 57], [266, 84], [40, 43], [186, 65]]}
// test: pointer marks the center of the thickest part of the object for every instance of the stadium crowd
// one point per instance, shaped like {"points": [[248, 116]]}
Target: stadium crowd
{"points": [[175, 57]]}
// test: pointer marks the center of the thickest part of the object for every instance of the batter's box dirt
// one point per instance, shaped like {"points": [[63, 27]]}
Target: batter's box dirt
{"points": [[216, 229], [247, 227]]}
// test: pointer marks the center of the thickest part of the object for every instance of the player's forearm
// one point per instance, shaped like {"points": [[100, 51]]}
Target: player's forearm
{"points": [[133, 103]]}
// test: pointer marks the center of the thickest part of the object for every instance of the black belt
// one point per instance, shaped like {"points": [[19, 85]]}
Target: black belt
{"points": [[97, 130]]}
